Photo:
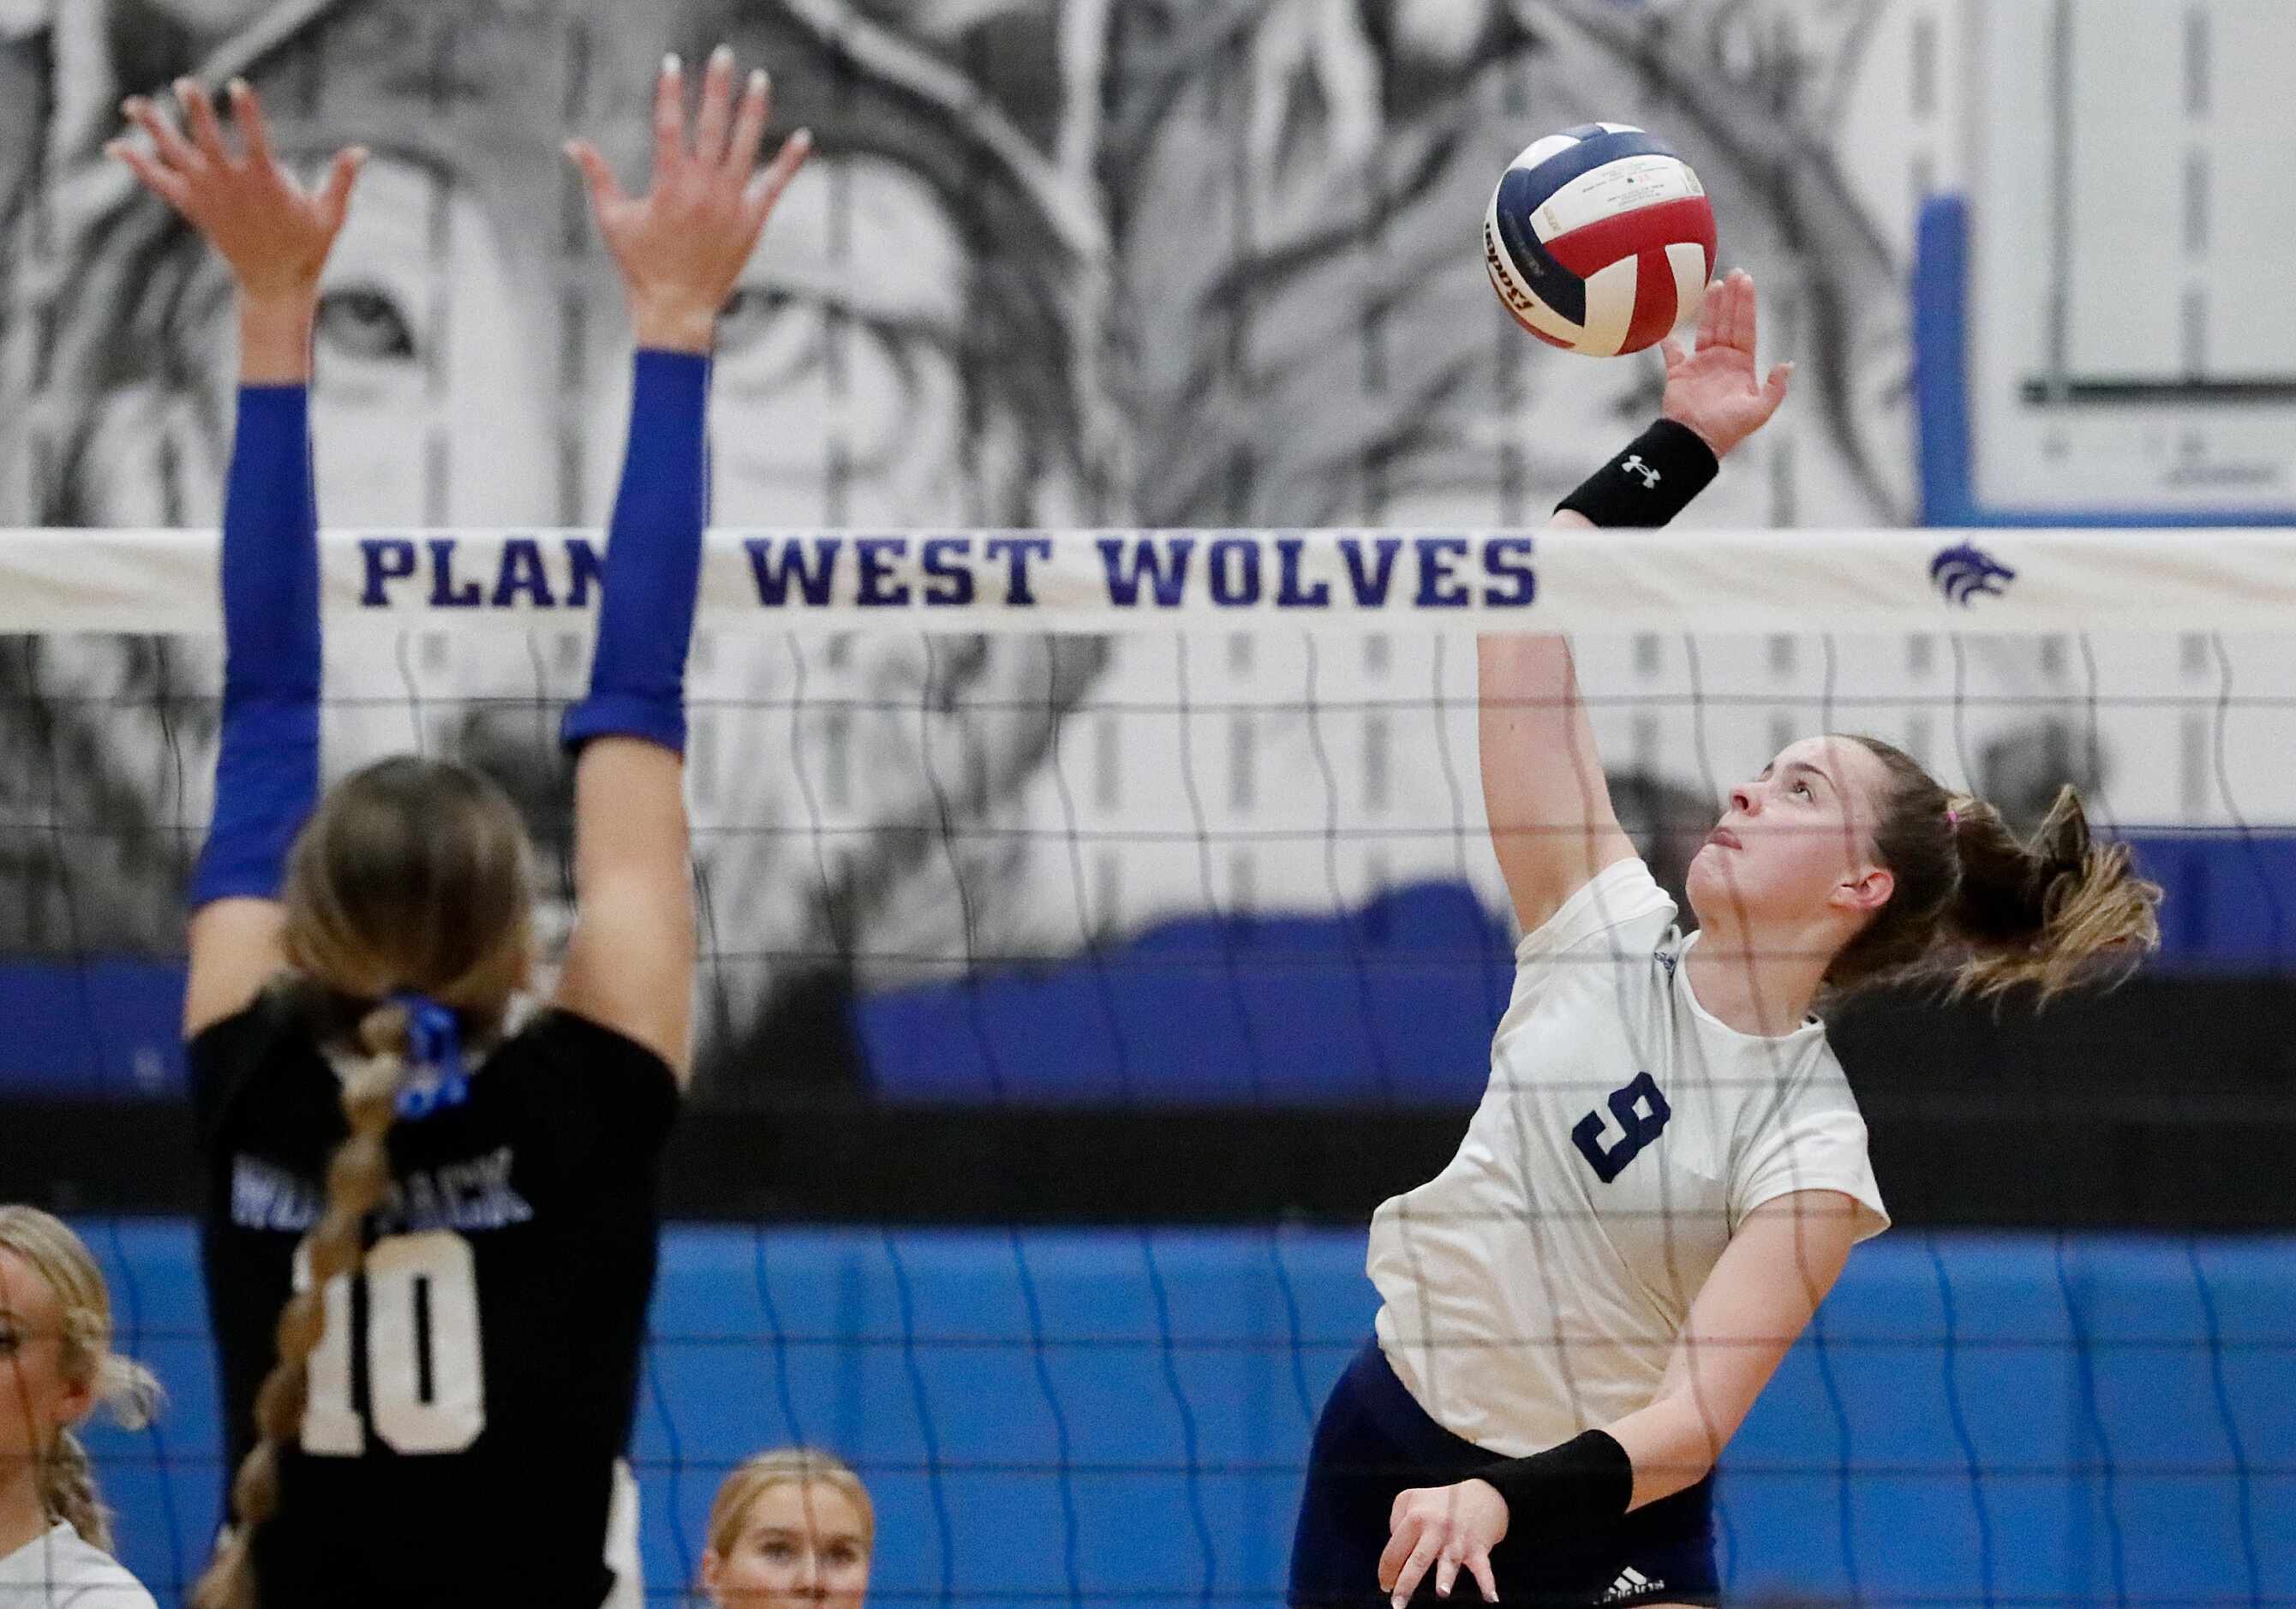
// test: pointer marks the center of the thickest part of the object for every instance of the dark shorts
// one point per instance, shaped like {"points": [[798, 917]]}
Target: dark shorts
{"points": [[1374, 1440]]}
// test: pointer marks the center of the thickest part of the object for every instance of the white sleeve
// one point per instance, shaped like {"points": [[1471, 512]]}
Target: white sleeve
{"points": [[114, 1589], [1815, 1140], [1620, 895], [622, 1542]]}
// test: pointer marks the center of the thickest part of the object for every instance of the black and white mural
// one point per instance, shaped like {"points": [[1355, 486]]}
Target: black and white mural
{"points": [[1170, 262]]}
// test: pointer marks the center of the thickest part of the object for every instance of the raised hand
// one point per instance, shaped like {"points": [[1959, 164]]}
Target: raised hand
{"points": [[1450, 1527], [683, 244], [1714, 389], [274, 234]]}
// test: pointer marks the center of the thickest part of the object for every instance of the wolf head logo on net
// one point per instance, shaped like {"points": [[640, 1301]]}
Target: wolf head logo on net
{"points": [[1966, 572]]}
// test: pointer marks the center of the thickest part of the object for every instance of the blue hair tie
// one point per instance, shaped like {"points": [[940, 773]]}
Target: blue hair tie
{"points": [[436, 1079]]}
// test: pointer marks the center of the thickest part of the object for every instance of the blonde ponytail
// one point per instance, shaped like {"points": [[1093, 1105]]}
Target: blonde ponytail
{"points": [[1986, 912], [2044, 913], [67, 1487], [357, 1177], [125, 1389]]}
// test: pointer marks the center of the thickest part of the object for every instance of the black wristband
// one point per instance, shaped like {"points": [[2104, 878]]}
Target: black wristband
{"points": [[1651, 482], [1588, 1480]]}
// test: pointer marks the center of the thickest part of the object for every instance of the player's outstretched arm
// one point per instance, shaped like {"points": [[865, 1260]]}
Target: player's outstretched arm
{"points": [[1551, 822], [276, 235], [679, 247]]}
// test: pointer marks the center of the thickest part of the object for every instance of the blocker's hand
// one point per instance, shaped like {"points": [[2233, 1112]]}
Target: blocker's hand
{"points": [[1447, 1527], [682, 244], [275, 235], [1714, 389]]}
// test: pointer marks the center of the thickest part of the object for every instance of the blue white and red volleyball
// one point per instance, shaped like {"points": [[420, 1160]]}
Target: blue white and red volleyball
{"points": [[1599, 240]]}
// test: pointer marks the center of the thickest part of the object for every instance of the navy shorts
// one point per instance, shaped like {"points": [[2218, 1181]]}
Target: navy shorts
{"points": [[1374, 1440]]}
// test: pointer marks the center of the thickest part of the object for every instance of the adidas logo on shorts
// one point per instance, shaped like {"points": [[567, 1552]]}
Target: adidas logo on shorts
{"points": [[1631, 1583]]}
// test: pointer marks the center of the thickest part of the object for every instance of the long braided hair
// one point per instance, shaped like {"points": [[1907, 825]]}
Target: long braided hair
{"points": [[413, 875]]}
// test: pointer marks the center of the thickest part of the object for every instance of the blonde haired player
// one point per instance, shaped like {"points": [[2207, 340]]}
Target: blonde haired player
{"points": [[56, 1367], [1668, 1169], [790, 1528], [427, 1274]]}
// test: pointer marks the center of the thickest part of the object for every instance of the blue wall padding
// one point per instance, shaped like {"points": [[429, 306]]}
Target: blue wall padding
{"points": [[1071, 1416], [104, 1026], [1395, 1003]]}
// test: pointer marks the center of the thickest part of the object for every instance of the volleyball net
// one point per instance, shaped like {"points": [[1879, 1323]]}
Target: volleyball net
{"points": [[1123, 899]]}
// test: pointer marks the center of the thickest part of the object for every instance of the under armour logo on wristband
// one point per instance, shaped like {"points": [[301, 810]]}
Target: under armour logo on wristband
{"points": [[1666, 467]]}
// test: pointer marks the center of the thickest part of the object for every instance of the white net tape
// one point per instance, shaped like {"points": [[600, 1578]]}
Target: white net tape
{"points": [[163, 581]]}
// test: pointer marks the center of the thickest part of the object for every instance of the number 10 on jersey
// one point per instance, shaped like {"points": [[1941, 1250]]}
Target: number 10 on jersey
{"points": [[425, 1389]]}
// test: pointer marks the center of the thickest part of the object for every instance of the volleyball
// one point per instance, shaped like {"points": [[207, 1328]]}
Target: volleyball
{"points": [[1599, 240]]}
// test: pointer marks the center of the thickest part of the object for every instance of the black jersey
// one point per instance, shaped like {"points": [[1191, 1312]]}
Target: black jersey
{"points": [[479, 1379]]}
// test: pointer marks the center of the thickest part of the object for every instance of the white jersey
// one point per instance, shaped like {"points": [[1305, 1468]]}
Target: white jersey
{"points": [[57, 1571], [1535, 1287], [622, 1542]]}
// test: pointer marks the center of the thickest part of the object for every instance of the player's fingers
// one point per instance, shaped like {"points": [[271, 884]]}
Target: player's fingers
{"points": [[335, 191], [200, 118], [162, 181], [1397, 1511], [668, 120], [1403, 1536], [596, 171], [1447, 1570], [716, 108], [750, 127], [247, 114], [1480, 1563], [173, 148], [1671, 349], [1723, 298], [1710, 313], [1414, 1568], [1742, 312], [767, 188], [1774, 389], [1407, 1527]]}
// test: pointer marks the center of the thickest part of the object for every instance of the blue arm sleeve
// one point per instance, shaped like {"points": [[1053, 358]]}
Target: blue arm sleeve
{"points": [[653, 561], [267, 770]]}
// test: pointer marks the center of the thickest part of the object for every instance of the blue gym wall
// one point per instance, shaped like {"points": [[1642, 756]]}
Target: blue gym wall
{"points": [[1392, 1003], [1070, 1416]]}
